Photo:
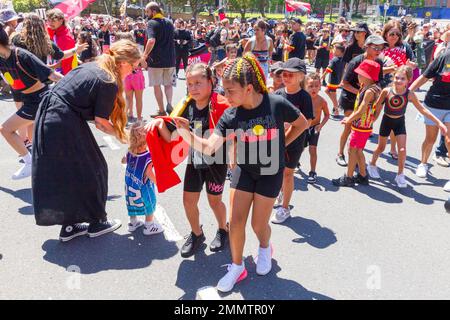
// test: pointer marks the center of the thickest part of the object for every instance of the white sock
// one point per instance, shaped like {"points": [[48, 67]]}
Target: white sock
{"points": [[133, 220], [148, 223], [27, 158], [240, 266], [264, 250]]}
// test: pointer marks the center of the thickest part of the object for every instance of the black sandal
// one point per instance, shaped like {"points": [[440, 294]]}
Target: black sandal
{"points": [[393, 156]]}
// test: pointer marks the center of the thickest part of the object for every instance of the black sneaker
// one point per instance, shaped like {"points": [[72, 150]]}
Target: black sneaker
{"points": [[169, 108], [312, 177], [219, 241], [344, 181], [359, 179], [340, 159], [100, 228], [192, 244], [72, 231]]}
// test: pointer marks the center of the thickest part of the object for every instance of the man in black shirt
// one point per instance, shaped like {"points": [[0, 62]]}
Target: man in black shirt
{"points": [[104, 39], [160, 55], [183, 40], [140, 34], [297, 41]]}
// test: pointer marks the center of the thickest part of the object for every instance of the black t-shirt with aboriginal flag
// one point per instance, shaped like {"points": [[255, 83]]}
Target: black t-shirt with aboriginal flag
{"points": [[438, 96], [33, 69], [259, 133]]}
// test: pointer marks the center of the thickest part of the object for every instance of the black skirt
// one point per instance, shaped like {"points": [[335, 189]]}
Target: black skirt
{"points": [[70, 174]]}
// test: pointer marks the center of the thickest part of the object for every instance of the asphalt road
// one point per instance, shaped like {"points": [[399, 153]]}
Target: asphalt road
{"points": [[375, 242]]}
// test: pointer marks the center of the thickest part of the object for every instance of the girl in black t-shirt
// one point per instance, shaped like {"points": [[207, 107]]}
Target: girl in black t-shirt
{"points": [[26, 75], [200, 170], [256, 120]]}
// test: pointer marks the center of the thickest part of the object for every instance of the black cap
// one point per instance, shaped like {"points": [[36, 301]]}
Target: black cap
{"points": [[361, 26], [294, 65], [297, 20]]}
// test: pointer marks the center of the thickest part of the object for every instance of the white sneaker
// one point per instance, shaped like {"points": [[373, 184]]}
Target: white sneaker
{"points": [[132, 227], [401, 181], [441, 161], [422, 170], [447, 186], [153, 228], [264, 261], [281, 215], [23, 172], [373, 171], [234, 275]]}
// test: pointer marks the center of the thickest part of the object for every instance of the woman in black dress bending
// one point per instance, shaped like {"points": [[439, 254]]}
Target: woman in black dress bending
{"points": [[70, 174]]}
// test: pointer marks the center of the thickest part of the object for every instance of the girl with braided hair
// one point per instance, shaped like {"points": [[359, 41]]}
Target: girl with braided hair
{"points": [[256, 120]]}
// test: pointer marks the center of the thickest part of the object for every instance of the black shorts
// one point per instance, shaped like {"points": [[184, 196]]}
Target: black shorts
{"points": [[312, 137], [294, 152], [31, 104], [213, 176], [346, 104], [265, 185], [388, 124], [17, 96], [321, 63]]}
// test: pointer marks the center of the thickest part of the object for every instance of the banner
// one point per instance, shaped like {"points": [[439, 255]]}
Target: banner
{"points": [[292, 6], [71, 8]]}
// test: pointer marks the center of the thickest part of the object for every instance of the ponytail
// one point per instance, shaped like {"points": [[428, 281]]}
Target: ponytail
{"points": [[120, 51]]}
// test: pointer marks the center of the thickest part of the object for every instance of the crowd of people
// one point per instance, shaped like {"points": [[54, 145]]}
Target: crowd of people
{"points": [[251, 110]]}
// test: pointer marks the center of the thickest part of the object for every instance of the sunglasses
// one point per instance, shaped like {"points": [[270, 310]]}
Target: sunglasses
{"points": [[286, 74], [393, 34], [378, 49]]}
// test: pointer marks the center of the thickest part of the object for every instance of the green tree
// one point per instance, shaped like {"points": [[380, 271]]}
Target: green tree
{"points": [[242, 6], [197, 6], [29, 5]]}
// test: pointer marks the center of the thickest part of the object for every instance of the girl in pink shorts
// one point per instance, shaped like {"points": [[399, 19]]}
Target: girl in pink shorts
{"points": [[134, 87], [362, 120]]}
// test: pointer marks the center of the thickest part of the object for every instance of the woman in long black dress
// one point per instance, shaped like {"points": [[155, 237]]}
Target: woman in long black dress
{"points": [[70, 174]]}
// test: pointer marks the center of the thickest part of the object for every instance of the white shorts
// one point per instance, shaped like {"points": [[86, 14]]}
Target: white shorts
{"points": [[441, 114], [160, 76]]}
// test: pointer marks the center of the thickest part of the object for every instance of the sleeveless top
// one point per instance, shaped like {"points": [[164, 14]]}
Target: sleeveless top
{"points": [[395, 104], [365, 123], [262, 56]]}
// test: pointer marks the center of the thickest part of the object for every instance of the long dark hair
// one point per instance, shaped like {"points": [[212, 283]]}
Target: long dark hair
{"points": [[86, 37], [4, 39]]}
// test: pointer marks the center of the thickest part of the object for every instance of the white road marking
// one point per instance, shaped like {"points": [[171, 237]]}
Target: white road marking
{"points": [[170, 233], [207, 293], [110, 142]]}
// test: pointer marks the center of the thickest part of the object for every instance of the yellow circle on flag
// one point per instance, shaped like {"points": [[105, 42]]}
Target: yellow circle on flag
{"points": [[258, 130], [8, 78], [428, 14]]}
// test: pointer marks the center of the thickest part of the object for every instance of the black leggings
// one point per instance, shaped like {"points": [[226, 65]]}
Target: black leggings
{"points": [[182, 55]]}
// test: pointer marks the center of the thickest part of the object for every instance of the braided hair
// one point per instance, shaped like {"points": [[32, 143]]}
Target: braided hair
{"points": [[245, 71]]}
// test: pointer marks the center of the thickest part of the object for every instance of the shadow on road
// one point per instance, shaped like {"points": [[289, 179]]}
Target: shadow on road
{"points": [[109, 252], [205, 271], [311, 232], [272, 287], [22, 194]]}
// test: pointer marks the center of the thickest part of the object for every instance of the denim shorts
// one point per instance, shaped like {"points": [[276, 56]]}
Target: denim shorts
{"points": [[441, 114]]}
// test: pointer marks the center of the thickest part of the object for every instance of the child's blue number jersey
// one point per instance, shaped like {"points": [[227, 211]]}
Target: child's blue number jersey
{"points": [[140, 195]]}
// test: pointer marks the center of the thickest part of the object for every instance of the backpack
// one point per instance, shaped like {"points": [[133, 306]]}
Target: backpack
{"points": [[213, 38]]}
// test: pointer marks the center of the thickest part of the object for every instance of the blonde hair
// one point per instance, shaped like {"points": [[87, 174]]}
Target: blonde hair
{"points": [[406, 70], [137, 138], [120, 51]]}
